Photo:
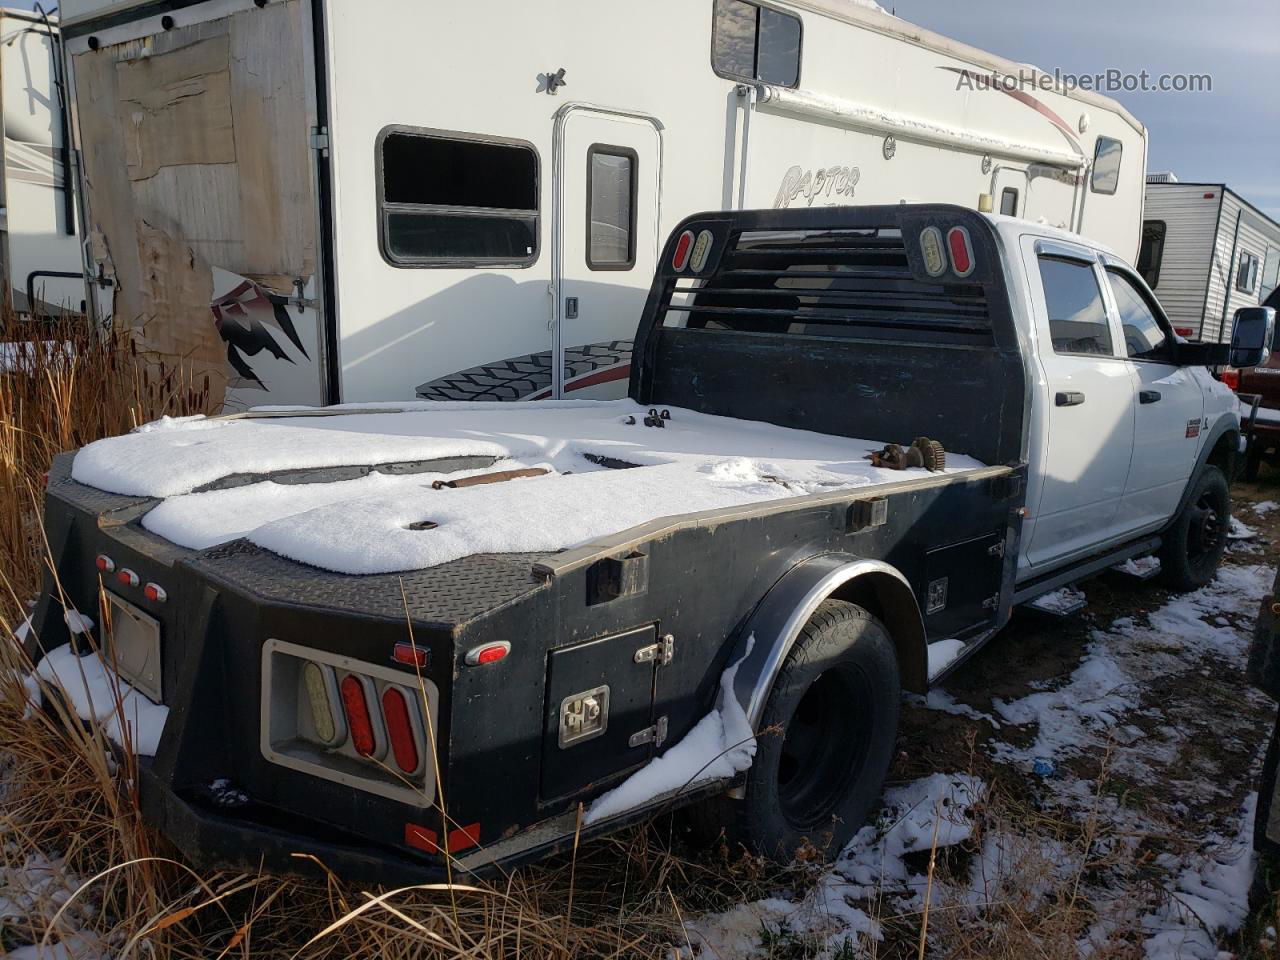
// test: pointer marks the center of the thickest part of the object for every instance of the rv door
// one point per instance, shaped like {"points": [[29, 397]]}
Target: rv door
{"points": [[608, 170]]}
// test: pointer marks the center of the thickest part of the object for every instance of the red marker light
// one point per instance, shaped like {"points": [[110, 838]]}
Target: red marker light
{"points": [[489, 653], [105, 564], [127, 577], [155, 593], [422, 838], [681, 257], [395, 712], [358, 720], [464, 837], [1209, 196], [961, 251], [1231, 378], [409, 654]]}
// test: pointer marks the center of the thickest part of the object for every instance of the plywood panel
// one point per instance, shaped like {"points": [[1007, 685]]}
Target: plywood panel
{"points": [[177, 108]]}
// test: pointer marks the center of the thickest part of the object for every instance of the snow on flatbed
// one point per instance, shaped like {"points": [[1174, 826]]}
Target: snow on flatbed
{"points": [[695, 462]]}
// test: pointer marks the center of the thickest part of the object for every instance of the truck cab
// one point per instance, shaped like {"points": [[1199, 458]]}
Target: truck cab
{"points": [[1118, 421]]}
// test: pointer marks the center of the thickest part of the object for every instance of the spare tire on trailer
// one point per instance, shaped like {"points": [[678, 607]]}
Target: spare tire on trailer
{"points": [[825, 741]]}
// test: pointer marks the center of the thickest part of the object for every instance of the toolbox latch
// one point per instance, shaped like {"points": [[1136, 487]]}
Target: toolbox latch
{"points": [[663, 651], [657, 734]]}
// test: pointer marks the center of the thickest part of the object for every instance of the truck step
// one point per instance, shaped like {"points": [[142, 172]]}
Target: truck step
{"points": [[1062, 602], [1140, 568]]}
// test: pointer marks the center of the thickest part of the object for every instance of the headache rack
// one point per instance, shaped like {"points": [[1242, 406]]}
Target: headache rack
{"points": [[884, 322]]}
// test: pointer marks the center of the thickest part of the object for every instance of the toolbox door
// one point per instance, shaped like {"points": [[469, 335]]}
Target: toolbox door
{"points": [[599, 711], [962, 585]]}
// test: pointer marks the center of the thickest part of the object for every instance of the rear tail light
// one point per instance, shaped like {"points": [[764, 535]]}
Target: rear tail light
{"points": [[680, 258], [317, 681], [961, 250], [155, 593], [127, 577], [1185, 331], [1231, 378], [356, 707], [400, 729], [104, 564]]}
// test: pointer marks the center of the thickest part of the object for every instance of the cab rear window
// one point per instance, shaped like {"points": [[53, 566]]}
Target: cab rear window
{"points": [[1077, 317]]}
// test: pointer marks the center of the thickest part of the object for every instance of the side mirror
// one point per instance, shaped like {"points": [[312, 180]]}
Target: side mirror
{"points": [[1251, 334]]}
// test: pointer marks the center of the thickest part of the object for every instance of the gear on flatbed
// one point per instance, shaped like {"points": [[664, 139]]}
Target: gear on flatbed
{"points": [[923, 452]]}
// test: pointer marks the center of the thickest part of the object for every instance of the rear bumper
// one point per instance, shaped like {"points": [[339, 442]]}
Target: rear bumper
{"points": [[211, 839]]}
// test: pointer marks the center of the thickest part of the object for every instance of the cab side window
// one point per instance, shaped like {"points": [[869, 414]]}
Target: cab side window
{"points": [[1144, 338], [1077, 317]]}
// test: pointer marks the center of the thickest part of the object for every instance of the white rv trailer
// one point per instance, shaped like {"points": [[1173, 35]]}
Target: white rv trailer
{"points": [[40, 257], [1206, 252], [466, 200]]}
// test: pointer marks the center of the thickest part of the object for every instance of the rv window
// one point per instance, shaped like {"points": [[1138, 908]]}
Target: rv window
{"points": [[749, 42], [1144, 338], [1152, 251], [1009, 202], [1106, 165], [1077, 319], [1247, 274], [611, 207], [452, 200]]}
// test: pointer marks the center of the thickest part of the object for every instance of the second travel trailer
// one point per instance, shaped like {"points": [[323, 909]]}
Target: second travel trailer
{"points": [[466, 201], [40, 258], [1206, 251]]}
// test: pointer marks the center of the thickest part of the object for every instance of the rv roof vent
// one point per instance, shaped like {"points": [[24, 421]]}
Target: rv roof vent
{"points": [[1167, 176]]}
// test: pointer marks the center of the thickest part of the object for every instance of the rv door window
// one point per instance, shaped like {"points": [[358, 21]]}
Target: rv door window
{"points": [[456, 200], [1152, 251], [611, 208], [750, 42], [1106, 166], [1077, 319]]}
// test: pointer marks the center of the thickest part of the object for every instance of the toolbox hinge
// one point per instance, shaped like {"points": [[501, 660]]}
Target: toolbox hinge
{"points": [[996, 549], [319, 140], [657, 735], [663, 651], [992, 602]]}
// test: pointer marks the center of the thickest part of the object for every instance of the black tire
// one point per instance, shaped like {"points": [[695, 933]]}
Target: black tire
{"points": [[835, 706], [1193, 545]]}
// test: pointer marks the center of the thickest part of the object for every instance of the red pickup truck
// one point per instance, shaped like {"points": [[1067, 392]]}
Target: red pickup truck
{"points": [[1263, 382]]}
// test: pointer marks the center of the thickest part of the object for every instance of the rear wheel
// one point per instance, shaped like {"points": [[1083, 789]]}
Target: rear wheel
{"points": [[827, 736], [1193, 545]]}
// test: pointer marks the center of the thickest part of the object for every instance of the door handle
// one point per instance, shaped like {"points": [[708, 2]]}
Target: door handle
{"points": [[1148, 396], [571, 308], [1068, 398]]}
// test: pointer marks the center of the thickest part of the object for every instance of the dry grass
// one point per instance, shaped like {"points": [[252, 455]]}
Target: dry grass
{"points": [[77, 865]]}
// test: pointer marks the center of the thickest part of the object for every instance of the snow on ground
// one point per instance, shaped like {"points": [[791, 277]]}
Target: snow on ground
{"points": [[696, 462], [1184, 902], [719, 746], [1240, 531], [1211, 894], [1265, 507], [31, 894], [936, 809], [95, 693]]}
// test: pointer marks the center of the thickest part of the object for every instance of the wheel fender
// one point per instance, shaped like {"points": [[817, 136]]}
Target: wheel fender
{"points": [[1227, 424], [771, 630]]}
